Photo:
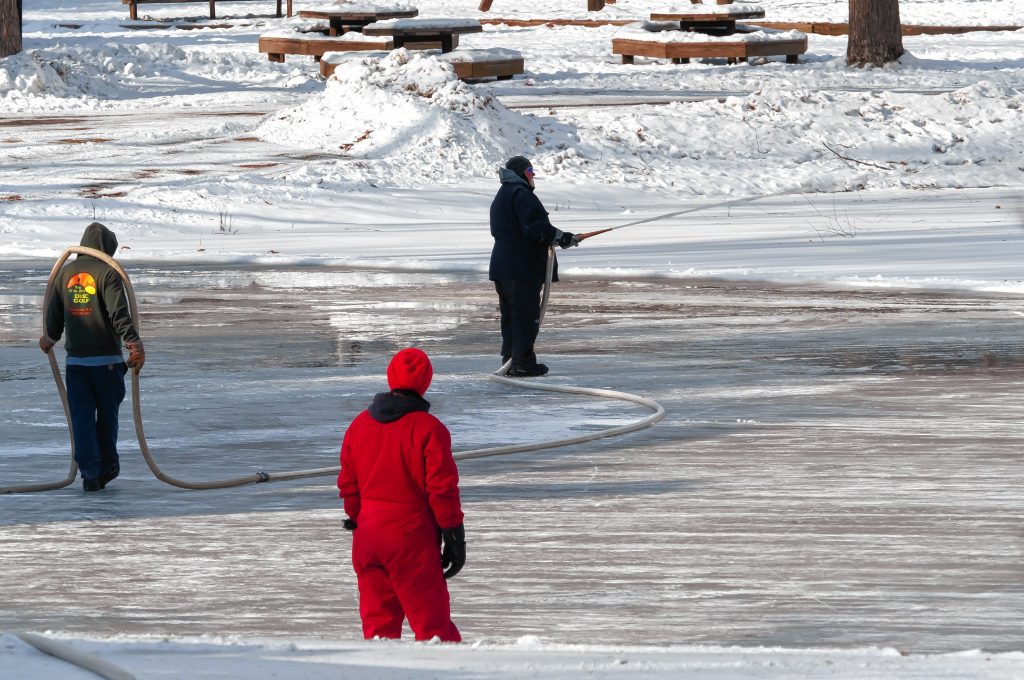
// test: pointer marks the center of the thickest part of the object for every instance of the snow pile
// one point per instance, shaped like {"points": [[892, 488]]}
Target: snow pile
{"points": [[75, 72], [779, 138], [92, 75], [414, 118], [26, 74]]}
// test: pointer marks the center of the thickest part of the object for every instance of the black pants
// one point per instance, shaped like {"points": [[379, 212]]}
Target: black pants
{"points": [[520, 320]]}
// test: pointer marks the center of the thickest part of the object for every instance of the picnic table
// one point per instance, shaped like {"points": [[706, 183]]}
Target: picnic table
{"points": [[494, 62], [711, 19], [133, 6], [443, 31], [342, 17]]}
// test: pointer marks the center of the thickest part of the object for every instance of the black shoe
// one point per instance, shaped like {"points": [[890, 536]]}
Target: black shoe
{"points": [[528, 371], [110, 475], [91, 485]]}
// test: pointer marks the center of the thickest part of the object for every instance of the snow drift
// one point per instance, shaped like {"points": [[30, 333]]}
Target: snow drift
{"points": [[410, 111]]}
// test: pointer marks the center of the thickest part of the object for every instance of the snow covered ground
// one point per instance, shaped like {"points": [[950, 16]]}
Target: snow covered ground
{"points": [[829, 315]]}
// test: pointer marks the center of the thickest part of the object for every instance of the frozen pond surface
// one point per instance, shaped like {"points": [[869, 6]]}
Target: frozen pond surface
{"points": [[836, 468]]}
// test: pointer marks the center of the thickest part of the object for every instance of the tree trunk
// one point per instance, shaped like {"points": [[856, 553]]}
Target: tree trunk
{"points": [[875, 33], [10, 27]]}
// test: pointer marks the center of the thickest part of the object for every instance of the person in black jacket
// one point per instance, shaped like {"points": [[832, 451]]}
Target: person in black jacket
{"points": [[522, 235], [90, 303]]}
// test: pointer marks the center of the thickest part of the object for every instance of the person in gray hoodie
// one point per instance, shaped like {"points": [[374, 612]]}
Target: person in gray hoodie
{"points": [[522, 235], [90, 308]]}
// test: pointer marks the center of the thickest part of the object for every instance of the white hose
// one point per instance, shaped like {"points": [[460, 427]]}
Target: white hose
{"points": [[66, 652], [259, 477], [499, 376]]}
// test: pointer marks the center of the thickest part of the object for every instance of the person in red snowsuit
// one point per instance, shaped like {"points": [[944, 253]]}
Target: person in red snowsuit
{"points": [[400, 486]]}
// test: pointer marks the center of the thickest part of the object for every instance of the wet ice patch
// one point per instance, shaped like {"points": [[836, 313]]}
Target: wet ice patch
{"points": [[410, 113]]}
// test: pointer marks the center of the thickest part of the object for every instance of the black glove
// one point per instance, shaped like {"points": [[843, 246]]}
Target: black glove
{"points": [[453, 553], [567, 240], [348, 523]]}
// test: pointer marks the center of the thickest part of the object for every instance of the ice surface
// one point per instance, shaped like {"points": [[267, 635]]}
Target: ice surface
{"points": [[837, 483]]}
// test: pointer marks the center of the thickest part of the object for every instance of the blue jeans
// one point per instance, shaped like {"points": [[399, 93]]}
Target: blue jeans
{"points": [[95, 394]]}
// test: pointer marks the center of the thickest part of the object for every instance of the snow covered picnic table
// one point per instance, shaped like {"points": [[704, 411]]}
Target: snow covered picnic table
{"points": [[663, 40], [276, 44], [445, 31], [133, 6], [352, 16], [495, 62], [713, 18]]}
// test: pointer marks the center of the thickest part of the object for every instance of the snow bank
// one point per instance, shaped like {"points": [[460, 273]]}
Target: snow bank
{"points": [[99, 75], [779, 139], [415, 118], [410, 120]]}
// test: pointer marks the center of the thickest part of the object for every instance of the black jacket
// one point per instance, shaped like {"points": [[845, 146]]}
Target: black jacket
{"points": [[521, 231], [89, 301]]}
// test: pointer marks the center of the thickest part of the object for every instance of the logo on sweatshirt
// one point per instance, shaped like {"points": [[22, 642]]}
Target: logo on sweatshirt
{"points": [[81, 288]]}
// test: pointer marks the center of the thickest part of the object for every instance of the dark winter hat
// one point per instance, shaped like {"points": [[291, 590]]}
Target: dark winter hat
{"points": [[410, 369], [518, 164]]}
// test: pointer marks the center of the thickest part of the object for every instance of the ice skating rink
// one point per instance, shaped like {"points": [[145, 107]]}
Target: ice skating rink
{"points": [[836, 469]]}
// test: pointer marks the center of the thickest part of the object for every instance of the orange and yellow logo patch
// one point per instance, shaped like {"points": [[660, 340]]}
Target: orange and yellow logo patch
{"points": [[85, 281], [81, 288]]}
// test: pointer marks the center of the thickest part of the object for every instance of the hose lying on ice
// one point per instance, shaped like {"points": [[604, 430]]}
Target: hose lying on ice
{"points": [[66, 652], [259, 477], [499, 376]]}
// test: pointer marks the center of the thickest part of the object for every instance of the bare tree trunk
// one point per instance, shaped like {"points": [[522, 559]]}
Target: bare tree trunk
{"points": [[875, 33], [10, 27]]}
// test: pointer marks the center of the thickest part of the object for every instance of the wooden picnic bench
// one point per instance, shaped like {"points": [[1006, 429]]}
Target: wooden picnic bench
{"points": [[712, 19], [664, 41], [133, 6], [495, 62], [341, 20], [315, 45], [413, 32]]}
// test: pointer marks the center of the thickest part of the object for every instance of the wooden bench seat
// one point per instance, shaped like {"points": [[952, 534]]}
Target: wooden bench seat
{"points": [[468, 64], [661, 40], [315, 45], [133, 6]]}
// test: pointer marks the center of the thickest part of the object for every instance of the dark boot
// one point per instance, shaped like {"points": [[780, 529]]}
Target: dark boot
{"points": [[528, 371], [110, 475], [91, 485]]}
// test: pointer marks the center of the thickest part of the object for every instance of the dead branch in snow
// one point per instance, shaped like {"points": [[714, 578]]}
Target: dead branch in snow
{"points": [[855, 160], [836, 224]]}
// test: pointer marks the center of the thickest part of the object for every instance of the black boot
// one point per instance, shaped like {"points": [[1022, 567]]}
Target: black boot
{"points": [[110, 475], [91, 484], [528, 371]]}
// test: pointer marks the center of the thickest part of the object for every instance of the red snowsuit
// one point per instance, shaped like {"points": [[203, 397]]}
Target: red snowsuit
{"points": [[401, 486]]}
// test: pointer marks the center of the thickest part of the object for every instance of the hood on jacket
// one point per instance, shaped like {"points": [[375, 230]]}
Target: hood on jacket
{"points": [[98, 237], [508, 177], [387, 407]]}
